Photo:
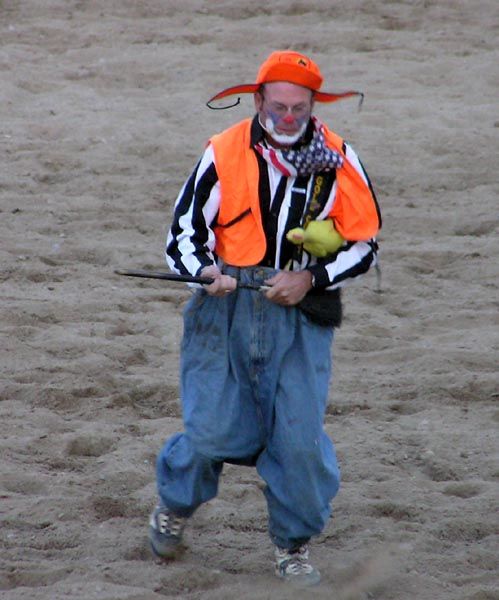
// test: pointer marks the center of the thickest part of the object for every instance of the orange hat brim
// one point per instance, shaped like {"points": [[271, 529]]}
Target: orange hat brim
{"points": [[251, 88]]}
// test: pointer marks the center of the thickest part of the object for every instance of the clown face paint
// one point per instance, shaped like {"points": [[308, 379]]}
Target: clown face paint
{"points": [[284, 110], [285, 139]]}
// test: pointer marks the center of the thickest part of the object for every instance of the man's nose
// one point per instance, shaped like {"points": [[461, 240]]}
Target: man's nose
{"points": [[288, 118]]}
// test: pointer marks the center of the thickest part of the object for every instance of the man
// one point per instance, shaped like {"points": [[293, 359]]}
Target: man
{"points": [[255, 365]]}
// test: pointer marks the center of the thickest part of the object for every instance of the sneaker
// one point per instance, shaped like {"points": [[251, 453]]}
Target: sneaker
{"points": [[293, 566], [165, 532]]}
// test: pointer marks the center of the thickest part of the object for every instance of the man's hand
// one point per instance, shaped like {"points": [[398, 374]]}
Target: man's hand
{"points": [[222, 284], [288, 287]]}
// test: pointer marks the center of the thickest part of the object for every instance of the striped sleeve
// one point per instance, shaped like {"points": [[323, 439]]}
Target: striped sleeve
{"points": [[351, 261], [191, 241]]}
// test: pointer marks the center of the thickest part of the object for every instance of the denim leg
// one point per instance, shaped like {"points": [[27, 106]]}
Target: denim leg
{"points": [[299, 462], [220, 415], [219, 409], [185, 478]]}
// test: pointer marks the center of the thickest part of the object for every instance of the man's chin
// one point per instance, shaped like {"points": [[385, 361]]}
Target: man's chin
{"points": [[287, 133], [285, 139]]}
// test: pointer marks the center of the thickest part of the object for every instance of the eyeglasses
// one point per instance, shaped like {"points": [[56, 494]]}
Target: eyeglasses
{"points": [[281, 110]]}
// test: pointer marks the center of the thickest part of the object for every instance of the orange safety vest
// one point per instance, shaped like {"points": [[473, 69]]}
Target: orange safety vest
{"points": [[240, 237]]}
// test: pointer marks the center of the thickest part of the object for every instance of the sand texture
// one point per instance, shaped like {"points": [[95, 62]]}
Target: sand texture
{"points": [[102, 117]]}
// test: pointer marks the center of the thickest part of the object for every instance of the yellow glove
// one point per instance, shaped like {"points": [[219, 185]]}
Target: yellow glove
{"points": [[320, 238]]}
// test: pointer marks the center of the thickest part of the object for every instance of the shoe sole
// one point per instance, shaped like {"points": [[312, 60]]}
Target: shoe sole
{"points": [[301, 580], [168, 555], [165, 552]]}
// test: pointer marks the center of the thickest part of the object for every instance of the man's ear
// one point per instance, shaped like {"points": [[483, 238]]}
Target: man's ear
{"points": [[258, 99]]}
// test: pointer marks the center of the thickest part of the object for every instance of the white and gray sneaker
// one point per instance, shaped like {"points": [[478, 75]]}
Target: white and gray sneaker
{"points": [[293, 566], [165, 532]]}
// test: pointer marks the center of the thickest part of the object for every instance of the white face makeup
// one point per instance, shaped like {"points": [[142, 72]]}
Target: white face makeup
{"points": [[282, 138]]}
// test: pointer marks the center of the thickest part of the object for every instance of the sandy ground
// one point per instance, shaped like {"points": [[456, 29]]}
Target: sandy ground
{"points": [[102, 117]]}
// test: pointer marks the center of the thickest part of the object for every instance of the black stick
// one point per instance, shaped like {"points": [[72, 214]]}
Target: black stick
{"points": [[181, 278]]}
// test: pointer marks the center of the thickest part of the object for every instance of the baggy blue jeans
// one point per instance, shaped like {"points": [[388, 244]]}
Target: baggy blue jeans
{"points": [[254, 386]]}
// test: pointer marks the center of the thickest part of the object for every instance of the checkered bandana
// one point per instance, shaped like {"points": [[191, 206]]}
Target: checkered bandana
{"points": [[311, 158]]}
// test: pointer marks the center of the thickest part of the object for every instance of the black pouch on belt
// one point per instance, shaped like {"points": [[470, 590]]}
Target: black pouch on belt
{"points": [[323, 307]]}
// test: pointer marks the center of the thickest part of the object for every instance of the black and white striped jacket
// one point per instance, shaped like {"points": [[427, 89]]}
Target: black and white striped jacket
{"points": [[191, 238]]}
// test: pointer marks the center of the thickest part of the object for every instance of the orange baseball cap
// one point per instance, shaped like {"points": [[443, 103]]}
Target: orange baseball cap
{"points": [[286, 65]]}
